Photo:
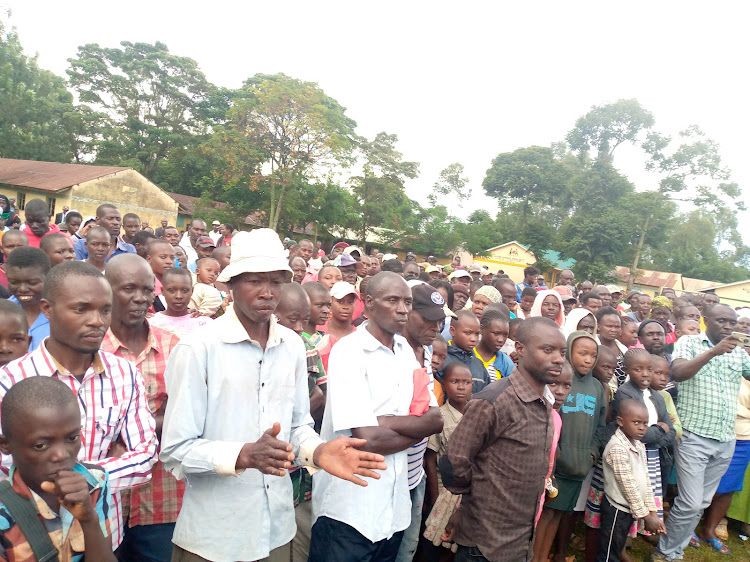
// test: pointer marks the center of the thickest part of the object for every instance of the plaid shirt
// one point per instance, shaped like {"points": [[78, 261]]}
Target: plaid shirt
{"points": [[113, 406], [707, 404], [626, 476], [160, 499], [64, 530]]}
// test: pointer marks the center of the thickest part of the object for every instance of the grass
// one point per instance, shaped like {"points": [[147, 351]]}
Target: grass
{"points": [[641, 550]]}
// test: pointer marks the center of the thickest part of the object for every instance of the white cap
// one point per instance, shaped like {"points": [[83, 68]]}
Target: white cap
{"points": [[341, 289], [258, 251], [455, 275]]}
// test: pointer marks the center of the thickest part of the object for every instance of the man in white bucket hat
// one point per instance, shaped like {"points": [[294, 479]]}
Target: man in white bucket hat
{"points": [[238, 415]]}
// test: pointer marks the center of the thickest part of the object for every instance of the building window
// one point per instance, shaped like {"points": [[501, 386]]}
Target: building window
{"points": [[51, 204], [20, 201]]}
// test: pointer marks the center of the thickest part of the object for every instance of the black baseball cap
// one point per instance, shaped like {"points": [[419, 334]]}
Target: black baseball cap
{"points": [[428, 302]]}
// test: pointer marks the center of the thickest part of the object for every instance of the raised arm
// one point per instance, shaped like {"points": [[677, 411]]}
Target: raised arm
{"points": [[686, 369]]}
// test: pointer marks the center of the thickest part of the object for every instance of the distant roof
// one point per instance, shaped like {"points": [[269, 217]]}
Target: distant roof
{"points": [[553, 256], [508, 244], [697, 285], [651, 278], [50, 176], [713, 285]]}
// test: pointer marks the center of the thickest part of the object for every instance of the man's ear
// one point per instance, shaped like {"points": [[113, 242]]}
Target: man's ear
{"points": [[4, 445], [520, 349], [46, 308]]}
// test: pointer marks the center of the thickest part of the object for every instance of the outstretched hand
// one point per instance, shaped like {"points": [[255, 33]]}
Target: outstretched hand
{"points": [[341, 458]]}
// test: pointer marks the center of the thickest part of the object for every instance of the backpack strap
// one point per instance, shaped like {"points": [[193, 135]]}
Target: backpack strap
{"points": [[26, 516]]}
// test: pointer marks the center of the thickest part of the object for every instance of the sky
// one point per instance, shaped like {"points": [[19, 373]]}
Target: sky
{"points": [[456, 81]]}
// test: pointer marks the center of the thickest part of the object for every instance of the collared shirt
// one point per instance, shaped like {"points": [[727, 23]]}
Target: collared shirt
{"points": [[498, 458], [626, 480], [113, 406], [122, 247], [192, 255], [365, 380], [38, 331], [214, 236], [64, 530], [160, 499], [225, 390], [708, 401]]}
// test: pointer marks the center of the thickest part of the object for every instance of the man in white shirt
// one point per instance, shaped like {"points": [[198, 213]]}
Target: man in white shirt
{"points": [[215, 233], [196, 229], [239, 407], [373, 393]]}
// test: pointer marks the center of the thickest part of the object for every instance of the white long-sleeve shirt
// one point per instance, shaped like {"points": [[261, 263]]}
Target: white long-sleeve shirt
{"points": [[224, 391]]}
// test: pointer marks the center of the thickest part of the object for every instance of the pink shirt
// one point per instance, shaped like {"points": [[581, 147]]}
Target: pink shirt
{"points": [[181, 326]]}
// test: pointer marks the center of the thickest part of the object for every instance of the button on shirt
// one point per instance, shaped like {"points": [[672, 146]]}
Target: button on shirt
{"points": [[708, 401], [113, 405], [366, 380], [224, 391]]}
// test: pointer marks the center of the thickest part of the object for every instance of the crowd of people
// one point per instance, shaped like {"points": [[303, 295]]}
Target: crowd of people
{"points": [[232, 396]]}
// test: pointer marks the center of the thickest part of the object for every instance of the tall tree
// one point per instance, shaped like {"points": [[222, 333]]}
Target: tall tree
{"points": [[37, 115], [379, 191], [302, 133], [451, 184], [605, 127], [153, 100]]}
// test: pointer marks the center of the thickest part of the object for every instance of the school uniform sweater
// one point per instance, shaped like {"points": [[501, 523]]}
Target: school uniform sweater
{"points": [[479, 375]]}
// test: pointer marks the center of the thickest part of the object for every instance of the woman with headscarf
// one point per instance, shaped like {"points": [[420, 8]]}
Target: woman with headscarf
{"points": [[482, 297], [580, 319], [549, 305], [8, 216], [661, 311]]}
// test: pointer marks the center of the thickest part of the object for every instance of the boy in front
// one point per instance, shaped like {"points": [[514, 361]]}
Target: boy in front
{"points": [[42, 431]]}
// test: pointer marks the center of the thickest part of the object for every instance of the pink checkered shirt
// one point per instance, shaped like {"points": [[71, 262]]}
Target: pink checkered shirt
{"points": [[113, 405], [159, 500]]}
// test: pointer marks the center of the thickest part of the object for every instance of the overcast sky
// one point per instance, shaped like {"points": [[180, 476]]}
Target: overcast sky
{"points": [[456, 81]]}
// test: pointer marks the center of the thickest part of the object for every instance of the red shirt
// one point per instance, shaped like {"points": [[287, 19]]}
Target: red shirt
{"points": [[34, 240]]}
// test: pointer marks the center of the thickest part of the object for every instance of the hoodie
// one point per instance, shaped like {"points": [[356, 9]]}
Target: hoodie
{"points": [[536, 308], [574, 317], [583, 422], [479, 375]]}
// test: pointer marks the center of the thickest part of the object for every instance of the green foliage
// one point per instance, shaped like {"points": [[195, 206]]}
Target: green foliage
{"points": [[38, 120], [451, 184], [479, 233], [379, 192], [152, 100], [606, 127]]}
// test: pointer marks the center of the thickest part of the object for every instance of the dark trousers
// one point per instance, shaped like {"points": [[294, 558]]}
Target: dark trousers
{"points": [[469, 554], [613, 532], [147, 543], [334, 541]]}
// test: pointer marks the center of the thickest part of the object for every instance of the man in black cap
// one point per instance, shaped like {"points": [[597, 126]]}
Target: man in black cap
{"points": [[422, 326], [204, 247]]}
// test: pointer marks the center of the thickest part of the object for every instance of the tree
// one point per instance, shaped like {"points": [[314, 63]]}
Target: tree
{"points": [[152, 98], [479, 233], [606, 127], [379, 191], [450, 184], [37, 115], [300, 131]]}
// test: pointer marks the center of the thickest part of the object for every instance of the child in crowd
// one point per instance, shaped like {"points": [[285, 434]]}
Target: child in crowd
{"points": [[628, 494], [98, 242], [58, 248], [528, 296], [222, 255], [629, 332], [206, 298], [494, 331], [26, 268], [660, 434], [362, 317], [180, 257], [583, 432], [160, 255], [457, 384], [545, 535], [465, 333], [293, 312], [343, 295], [439, 354], [10, 241], [72, 505], [329, 275], [177, 287], [509, 348], [604, 372], [687, 327], [14, 332], [659, 381]]}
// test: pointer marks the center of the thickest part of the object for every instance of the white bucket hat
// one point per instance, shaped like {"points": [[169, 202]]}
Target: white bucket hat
{"points": [[258, 251]]}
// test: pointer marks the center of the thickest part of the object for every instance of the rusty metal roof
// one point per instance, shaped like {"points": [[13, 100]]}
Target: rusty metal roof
{"points": [[49, 176], [650, 278]]}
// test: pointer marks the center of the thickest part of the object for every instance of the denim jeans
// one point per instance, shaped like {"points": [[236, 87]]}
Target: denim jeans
{"points": [[411, 534]]}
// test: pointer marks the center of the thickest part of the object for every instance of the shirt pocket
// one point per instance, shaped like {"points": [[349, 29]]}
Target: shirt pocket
{"points": [[106, 427]]}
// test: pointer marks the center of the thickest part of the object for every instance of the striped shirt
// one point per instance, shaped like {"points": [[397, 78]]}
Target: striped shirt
{"points": [[415, 456], [160, 499], [113, 405]]}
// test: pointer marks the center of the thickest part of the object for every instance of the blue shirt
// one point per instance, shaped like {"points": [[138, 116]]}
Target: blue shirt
{"points": [[39, 330], [122, 248], [519, 288]]}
